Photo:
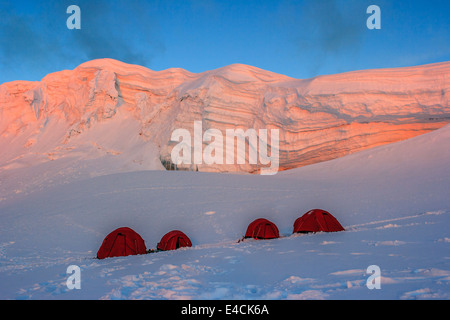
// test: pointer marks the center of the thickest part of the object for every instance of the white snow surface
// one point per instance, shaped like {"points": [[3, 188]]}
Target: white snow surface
{"points": [[392, 200]]}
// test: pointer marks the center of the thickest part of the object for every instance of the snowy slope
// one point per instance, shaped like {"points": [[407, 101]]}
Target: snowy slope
{"points": [[109, 147], [319, 119], [393, 201]]}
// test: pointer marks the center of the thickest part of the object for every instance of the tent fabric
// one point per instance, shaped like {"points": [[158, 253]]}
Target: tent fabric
{"points": [[173, 240], [262, 229], [317, 220], [121, 242]]}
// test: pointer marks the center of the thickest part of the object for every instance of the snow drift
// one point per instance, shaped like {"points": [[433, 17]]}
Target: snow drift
{"points": [[81, 157], [392, 200], [112, 109]]}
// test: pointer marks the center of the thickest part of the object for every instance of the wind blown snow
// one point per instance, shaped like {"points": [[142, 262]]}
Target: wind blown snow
{"points": [[392, 200]]}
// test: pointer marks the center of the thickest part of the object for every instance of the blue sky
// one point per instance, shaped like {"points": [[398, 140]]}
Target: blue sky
{"points": [[300, 39]]}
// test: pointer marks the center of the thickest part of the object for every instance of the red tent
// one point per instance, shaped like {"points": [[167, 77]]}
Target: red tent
{"points": [[121, 242], [317, 220], [173, 240], [262, 229]]}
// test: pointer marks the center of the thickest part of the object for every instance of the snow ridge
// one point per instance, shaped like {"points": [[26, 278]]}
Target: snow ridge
{"points": [[319, 119]]}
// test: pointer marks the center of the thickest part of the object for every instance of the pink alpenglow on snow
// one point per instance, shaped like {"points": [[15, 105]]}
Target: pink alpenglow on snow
{"points": [[127, 113], [214, 152]]}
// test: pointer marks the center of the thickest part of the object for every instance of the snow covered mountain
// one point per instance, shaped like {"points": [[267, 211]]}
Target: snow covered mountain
{"points": [[392, 200], [121, 113]]}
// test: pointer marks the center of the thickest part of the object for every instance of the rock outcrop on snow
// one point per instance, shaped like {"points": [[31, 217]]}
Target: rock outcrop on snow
{"points": [[81, 113]]}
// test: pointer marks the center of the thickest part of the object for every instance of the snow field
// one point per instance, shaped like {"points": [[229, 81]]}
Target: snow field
{"points": [[392, 200]]}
